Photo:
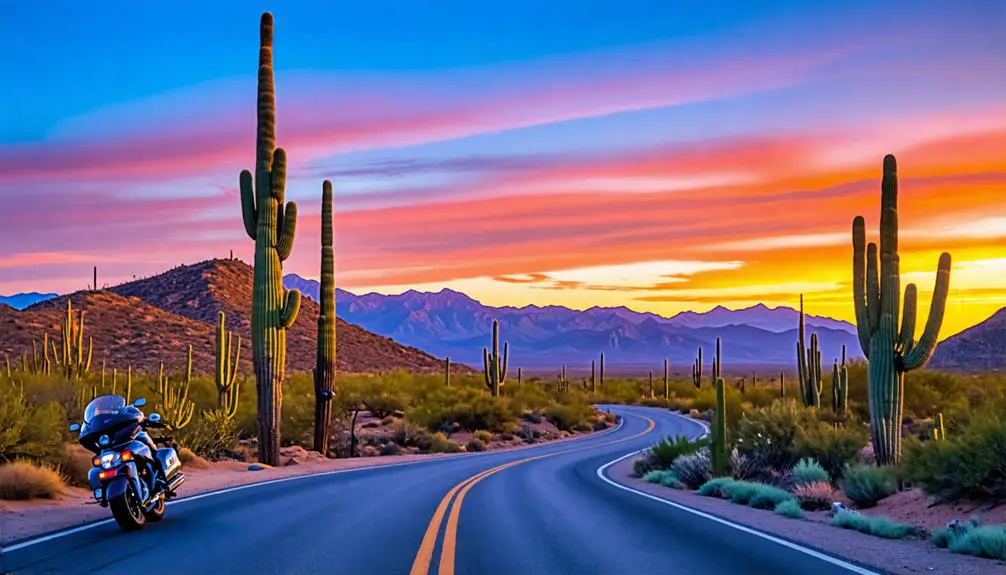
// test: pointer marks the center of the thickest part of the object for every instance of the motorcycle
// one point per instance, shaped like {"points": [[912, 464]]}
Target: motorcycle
{"points": [[129, 473]]}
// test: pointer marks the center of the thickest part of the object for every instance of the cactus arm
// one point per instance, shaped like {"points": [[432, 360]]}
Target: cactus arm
{"points": [[90, 350], [248, 211], [285, 244], [506, 357], [906, 339], [859, 295], [290, 310], [872, 288], [890, 269], [485, 365], [926, 345]]}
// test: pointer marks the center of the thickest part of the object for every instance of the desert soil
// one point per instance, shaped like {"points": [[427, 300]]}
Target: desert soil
{"points": [[900, 557]]}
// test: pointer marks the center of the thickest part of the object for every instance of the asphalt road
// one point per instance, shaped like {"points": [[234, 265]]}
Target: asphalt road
{"points": [[539, 510]]}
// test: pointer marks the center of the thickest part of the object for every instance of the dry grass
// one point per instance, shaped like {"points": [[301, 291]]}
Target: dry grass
{"points": [[26, 480]]}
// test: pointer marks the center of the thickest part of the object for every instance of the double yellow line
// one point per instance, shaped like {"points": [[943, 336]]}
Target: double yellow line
{"points": [[424, 557]]}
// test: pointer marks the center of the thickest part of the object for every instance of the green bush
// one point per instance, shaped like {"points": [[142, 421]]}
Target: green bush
{"points": [[969, 463], [789, 508], [809, 471], [768, 497], [715, 487], [988, 541], [663, 453], [866, 485], [740, 492], [665, 478], [653, 476], [475, 445], [642, 466], [835, 449], [484, 436], [814, 496], [212, 435], [877, 526], [29, 429], [440, 444]]}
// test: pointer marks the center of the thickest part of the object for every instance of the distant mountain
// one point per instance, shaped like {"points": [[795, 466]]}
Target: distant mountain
{"points": [[979, 348], [453, 324], [23, 300]]}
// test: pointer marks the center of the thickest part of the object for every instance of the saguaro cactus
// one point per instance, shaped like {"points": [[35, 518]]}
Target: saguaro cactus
{"points": [[718, 448], [271, 222], [70, 356], [939, 433], [226, 372], [697, 371], [876, 293], [840, 386], [782, 384], [593, 377], [494, 364], [808, 365], [324, 371], [600, 382], [649, 386], [175, 403], [717, 365], [447, 372]]}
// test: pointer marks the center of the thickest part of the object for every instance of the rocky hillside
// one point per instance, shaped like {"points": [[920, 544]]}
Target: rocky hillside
{"points": [[978, 348], [151, 320]]}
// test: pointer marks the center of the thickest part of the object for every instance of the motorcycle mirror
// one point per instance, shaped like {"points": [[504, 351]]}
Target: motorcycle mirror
{"points": [[74, 427], [140, 402], [155, 417]]}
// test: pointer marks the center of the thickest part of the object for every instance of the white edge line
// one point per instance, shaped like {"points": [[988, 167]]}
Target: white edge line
{"points": [[805, 550], [85, 527]]}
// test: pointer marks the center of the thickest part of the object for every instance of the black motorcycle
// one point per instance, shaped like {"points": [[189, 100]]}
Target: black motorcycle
{"points": [[129, 473]]}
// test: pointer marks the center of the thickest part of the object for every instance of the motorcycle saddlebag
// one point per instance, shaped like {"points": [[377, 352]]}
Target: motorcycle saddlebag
{"points": [[169, 462]]}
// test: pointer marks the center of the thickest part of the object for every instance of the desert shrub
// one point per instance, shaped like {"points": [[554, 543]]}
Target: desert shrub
{"points": [[693, 470], [663, 453], [768, 497], [809, 471], [988, 541], [834, 449], [532, 417], [665, 478], [642, 466], [739, 492], [653, 476], [468, 407], [714, 487], [390, 448], [212, 435], [968, 463], [745, 467], [789, 508], [28, 480], [814, 496], [866, 485], [475, 445], [439, 443], [74, 464], [571, 417], [186, 455], [876, 526], [29, 429], [484, 436]]}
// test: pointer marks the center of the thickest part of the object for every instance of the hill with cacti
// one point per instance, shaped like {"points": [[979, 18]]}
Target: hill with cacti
{"points": [[148, 321], [978, 348]]}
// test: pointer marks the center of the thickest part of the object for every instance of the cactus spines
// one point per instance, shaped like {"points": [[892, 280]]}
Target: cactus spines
{"points": [[226, 359], [324, 371], [808, 365], [271, 222], [494, 363], [447, 372], [876, 294], [178, 409], [70, 357], [719, 451], [697, 371]]}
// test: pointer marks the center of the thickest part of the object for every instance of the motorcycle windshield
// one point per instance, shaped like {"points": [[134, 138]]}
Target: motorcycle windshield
{"points": [[103, 405]]}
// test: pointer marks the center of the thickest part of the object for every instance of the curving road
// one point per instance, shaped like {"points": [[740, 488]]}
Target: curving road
{"points": [[542, 510]]}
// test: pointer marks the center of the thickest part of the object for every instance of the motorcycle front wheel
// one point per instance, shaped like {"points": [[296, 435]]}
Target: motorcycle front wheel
{"points": [[127, 511], [157, 512]]}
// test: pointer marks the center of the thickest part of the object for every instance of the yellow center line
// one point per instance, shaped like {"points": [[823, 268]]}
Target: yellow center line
{"points": [[421, 565]]}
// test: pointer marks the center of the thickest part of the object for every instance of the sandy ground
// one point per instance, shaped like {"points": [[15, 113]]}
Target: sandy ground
{"points": [[22, 519], [901, 557]]}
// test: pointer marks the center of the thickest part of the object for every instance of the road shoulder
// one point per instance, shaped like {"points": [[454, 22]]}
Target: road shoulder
{"points": [[900, 557]]}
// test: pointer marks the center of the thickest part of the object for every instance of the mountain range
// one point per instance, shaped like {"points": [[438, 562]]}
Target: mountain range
{"points": [[153, 320], [979, 348], [23, 300], [449, 323]]}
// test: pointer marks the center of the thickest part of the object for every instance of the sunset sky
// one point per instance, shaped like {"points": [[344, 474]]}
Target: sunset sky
{"points": [[662, 155]]}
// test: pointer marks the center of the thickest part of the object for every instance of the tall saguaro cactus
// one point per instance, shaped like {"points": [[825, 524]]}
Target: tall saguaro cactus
{"points": [[667, 380], [494, 363], [876, 293], [271, 222], [70, 357], [226, 364], [840, 386], [324, 371], [718, 448], [697, 371], [808, 365], [175, 403]]}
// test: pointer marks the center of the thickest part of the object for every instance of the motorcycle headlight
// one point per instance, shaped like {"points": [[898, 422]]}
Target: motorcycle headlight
{"points": [[109, 460], [104, 440]]}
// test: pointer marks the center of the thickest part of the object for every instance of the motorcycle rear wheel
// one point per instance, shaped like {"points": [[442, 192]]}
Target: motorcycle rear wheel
{"points": [[127, 511]]}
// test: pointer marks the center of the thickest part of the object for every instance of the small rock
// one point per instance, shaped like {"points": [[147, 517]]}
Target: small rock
{"points": [[257, 467]]}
